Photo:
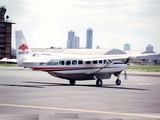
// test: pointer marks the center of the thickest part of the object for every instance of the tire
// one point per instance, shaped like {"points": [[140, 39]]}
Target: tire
{"points": [[99, 82], [118, 82], [72, 82]]}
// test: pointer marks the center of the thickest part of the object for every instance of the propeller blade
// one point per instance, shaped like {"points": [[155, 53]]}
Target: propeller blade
{"points": [[125, 74]]}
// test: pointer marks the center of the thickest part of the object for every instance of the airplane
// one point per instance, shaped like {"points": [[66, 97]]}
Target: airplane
{"points": [[8, 60], [72, 67]]}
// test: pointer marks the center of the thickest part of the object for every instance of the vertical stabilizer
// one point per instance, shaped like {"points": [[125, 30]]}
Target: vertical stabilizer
{"points": [[23, 51]]}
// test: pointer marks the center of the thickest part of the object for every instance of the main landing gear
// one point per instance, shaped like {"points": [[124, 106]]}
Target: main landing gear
{"points": [[98, 81], [72, 82]]}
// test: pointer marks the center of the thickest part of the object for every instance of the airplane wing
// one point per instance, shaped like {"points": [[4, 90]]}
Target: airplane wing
{"points": [[8, 60], [113, 57], [109, 59]]}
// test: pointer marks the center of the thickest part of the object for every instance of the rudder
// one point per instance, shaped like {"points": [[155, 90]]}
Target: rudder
{"points": [[23, 51]]}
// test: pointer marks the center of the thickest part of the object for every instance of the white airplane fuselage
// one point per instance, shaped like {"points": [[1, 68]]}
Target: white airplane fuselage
{"points": [[76, 68]]}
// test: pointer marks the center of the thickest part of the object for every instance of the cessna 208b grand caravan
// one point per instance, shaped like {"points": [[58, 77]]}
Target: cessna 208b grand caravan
{"points": [[72, 67]]}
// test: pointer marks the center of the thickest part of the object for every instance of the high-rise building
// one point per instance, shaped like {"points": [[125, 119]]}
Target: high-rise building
{"points": [[73, 41], [127, 46], [71, 37], [76, 42], [5, 34], [89, 38], [149, 48]]}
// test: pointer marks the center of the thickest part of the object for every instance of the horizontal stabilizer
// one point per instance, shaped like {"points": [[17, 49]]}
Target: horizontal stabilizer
{"points": [[8, 60]]}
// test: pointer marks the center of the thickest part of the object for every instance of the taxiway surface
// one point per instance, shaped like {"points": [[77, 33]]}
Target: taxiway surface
{"points": [[41, 96]]}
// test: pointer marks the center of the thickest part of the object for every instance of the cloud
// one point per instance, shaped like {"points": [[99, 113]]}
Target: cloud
{"points": [[114, 22]]}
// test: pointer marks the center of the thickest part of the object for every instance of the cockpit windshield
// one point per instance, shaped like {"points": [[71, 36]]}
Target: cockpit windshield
{"points": [[110, 60]]}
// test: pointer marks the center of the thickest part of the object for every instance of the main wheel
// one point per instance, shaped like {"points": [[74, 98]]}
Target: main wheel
{"points": [[99, 82], [118, 82], [72, 82]]}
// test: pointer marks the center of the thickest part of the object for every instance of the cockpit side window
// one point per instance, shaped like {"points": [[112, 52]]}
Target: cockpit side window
{"points": [[105, 61]]}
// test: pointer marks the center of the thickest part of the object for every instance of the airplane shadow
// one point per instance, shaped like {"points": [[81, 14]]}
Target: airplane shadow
{"points": [[44, 84], [112, 86]]}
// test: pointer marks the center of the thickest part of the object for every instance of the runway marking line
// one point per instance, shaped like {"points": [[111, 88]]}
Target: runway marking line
{"points": [[80, 110]]}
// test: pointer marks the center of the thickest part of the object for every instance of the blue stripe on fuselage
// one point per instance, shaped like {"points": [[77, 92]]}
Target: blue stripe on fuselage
{"points": [[118, 62]]}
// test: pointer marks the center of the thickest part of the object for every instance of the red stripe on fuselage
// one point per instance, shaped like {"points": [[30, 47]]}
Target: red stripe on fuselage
{"points": [[68, 68]]}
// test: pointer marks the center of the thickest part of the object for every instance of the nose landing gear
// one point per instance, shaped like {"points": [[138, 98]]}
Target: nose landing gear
{"points": [[118, 81]]}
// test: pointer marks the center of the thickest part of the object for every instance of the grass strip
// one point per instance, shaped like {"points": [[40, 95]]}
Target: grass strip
{"points": [[7, 64], [147, 68]]}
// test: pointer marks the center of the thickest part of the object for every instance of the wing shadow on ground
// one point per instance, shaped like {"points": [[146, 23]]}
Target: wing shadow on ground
{"points": [[113, 86], [14, 85]]}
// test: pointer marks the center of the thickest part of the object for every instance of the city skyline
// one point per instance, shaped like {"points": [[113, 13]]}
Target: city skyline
{"points": [[45, 23]]}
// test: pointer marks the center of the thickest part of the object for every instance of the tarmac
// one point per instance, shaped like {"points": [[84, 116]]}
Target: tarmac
{"points": [[36, 95]]}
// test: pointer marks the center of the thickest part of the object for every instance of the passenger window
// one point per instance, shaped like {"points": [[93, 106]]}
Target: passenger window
{"points": [[74, 62], [95, 62], [100, 61], [61, 62], [68, 62], [80, 62], [105, 61], [88, 62]]}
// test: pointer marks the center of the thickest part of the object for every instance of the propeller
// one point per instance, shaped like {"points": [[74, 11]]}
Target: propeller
{"points": [[127, 60], [125, 74]]}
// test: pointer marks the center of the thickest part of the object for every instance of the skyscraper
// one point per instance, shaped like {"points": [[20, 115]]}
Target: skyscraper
{"points": [[89, 38], [127, 46], [149, 48], [73, 41], [70, 42], [76, 42]]}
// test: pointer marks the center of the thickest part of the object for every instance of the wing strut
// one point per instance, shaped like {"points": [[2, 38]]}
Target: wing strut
{"points": [[104, 67]]}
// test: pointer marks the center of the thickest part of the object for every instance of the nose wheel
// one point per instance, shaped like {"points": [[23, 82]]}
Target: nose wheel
{"points": [[118, 82]]}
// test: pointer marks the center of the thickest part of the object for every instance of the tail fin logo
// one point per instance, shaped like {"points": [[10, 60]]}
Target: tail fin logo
{"points": [[23, 47]]}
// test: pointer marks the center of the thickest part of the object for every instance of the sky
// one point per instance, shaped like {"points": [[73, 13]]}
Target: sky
{"points": [[46, 23]]}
